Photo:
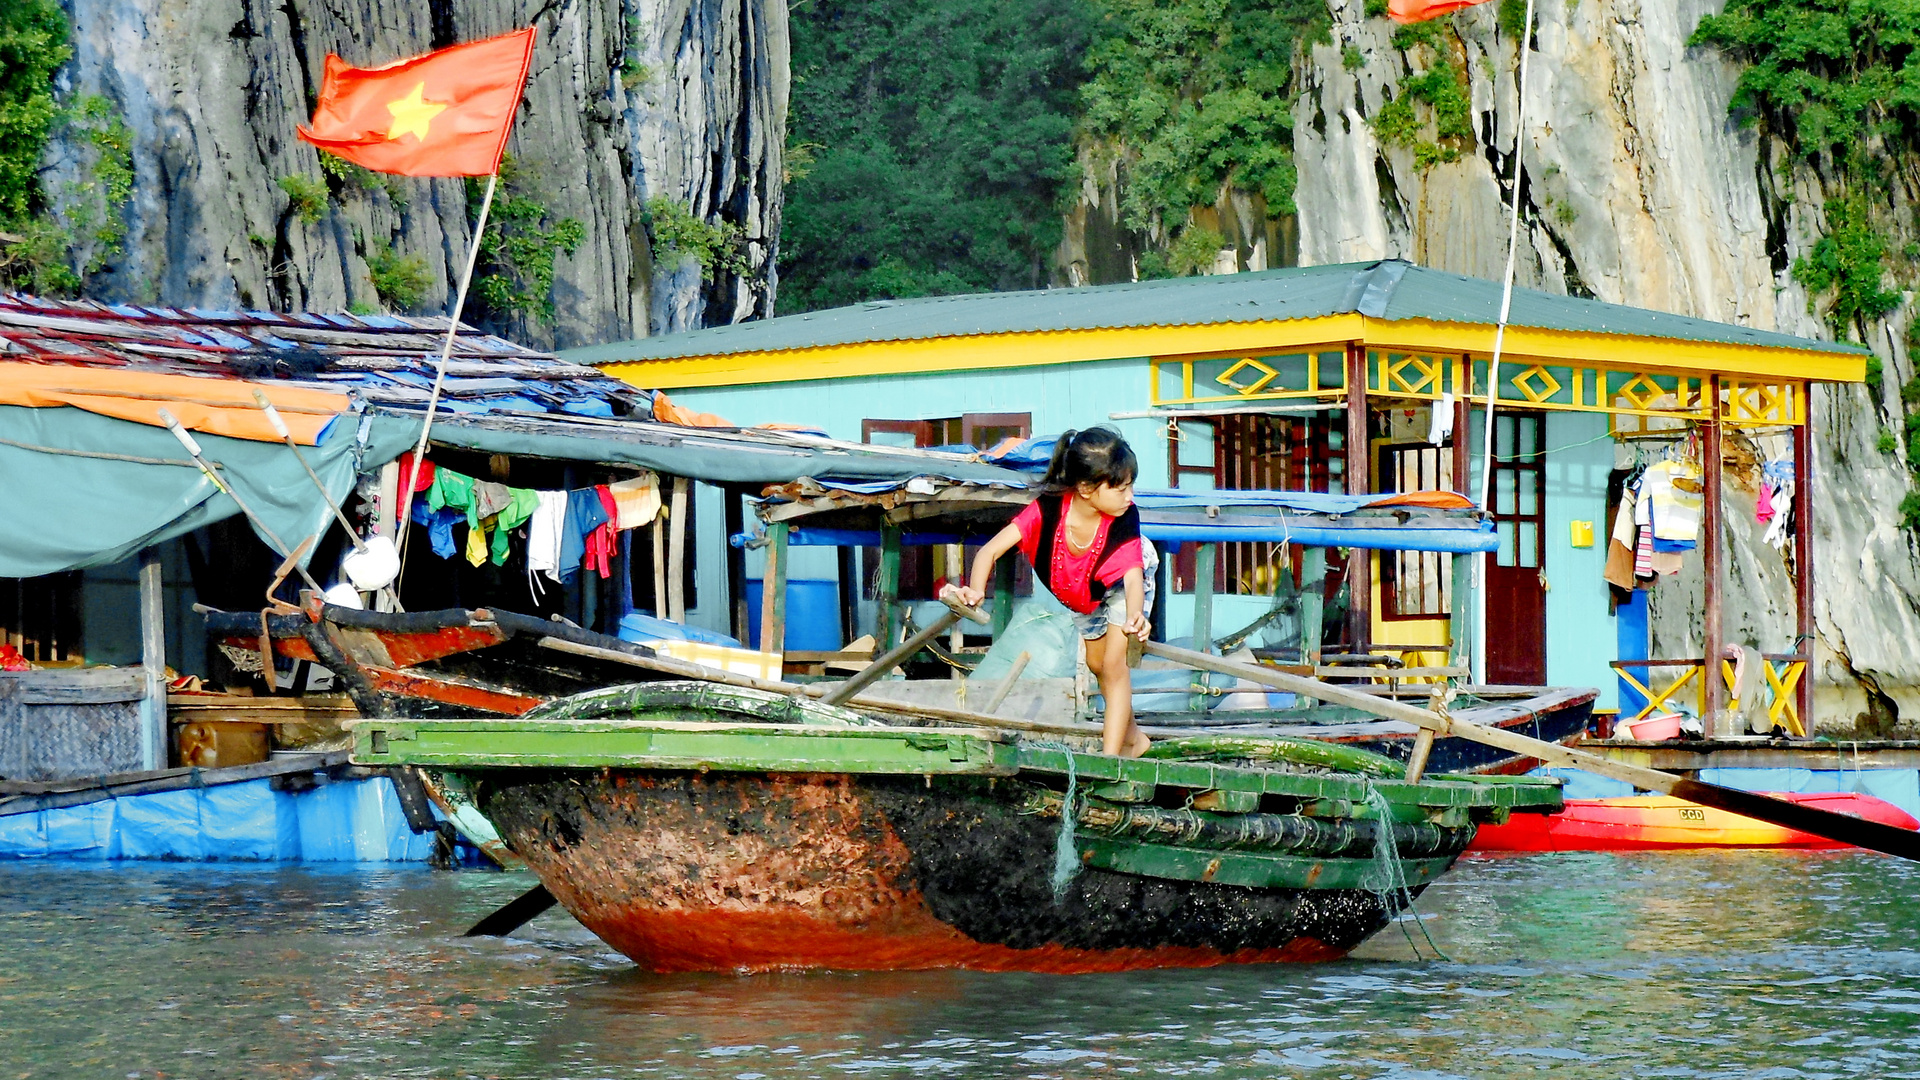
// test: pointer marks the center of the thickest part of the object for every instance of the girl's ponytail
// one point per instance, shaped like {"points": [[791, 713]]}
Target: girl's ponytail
{"points": [[1056, 479]]}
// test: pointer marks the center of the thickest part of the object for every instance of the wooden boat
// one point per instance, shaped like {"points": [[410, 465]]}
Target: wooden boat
{"points": [[459, 662], [1662, 822], [697, 827]]}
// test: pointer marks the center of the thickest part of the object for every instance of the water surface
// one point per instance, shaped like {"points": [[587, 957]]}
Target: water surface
{"points": [[1747, 964]]}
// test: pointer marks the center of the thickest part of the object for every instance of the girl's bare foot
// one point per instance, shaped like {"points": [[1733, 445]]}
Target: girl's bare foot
{"points": [[1137, 743]]}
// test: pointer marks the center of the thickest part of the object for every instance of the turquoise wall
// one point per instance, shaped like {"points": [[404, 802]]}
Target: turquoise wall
{"points": [[1059, 396], [1580, 632]]}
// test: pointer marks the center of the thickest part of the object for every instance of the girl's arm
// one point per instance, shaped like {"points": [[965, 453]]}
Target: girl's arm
{"points": [[1136, 587], [975, 589]]}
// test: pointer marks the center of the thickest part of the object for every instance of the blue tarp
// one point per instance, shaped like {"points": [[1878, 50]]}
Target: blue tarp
{"points": [[337, 821]]}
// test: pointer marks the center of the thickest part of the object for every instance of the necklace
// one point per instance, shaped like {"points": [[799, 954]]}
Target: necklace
{"points": [[1066, 528]]}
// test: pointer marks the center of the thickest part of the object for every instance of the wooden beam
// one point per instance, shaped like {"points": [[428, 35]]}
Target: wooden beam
{"points": [[677, 553], [773, 591], [734, 519], [1710, 559], [1204, 558], [1803, 553], [153, 662], [1358, 482]]}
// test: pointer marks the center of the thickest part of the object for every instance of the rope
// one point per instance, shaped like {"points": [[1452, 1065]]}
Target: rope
{"points": [[1393, 880], [35, 447], [1066, 858]]}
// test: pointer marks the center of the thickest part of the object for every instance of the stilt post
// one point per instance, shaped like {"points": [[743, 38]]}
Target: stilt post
{"points": [[773, 591], [153, 662], [1358, 482], [1710, 558], [1203, 560], [1803, 553]]}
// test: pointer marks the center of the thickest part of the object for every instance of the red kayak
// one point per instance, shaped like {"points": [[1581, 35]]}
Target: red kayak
{"points": [[1657, 822]]}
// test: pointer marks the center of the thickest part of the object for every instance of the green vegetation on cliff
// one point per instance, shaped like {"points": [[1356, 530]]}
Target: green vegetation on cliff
{"points": [[940, 140], [1839, 82], [50, 241]]}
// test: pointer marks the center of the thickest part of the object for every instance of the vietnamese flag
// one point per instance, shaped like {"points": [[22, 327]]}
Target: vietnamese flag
{"points": [[443, 114], [1412, 11]]}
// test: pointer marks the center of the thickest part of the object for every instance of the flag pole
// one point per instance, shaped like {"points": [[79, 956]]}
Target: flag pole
{"points": [[1499, 341], [404, 511]]}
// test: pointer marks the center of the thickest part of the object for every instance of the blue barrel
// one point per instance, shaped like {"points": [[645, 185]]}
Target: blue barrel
{"points": [[813, 615]]}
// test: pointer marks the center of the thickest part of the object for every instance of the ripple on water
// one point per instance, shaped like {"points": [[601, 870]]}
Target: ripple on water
{"points": [[1747, 964]]}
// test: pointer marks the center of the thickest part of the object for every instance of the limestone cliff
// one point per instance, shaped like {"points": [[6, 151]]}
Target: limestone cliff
{"points": [[628, 101], [1639, 190]]}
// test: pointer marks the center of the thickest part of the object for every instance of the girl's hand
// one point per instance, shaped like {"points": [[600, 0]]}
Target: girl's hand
{"points": [[1138, 626], [962, 594]]}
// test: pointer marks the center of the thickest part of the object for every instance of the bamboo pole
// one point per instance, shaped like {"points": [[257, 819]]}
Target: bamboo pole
{"points": [[677, 553]]}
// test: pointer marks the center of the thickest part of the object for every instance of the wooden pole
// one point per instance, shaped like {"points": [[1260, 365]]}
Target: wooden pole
{"points": [[1803, 553], [957, 640], [1358, 482], [773, 591], [659, 568], [900, 654], [849, 593], [677, 553], [1203, 562], [1465, 605], [887, 590], [1869, 834], [153, 662], [1710, 558]]}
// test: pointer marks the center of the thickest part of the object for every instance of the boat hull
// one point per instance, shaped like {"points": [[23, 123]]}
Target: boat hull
{"points": [[684, 871], [1662, 822]]}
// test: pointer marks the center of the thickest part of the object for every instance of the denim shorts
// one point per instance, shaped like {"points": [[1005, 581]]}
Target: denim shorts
{"points": [[1112, 611]]}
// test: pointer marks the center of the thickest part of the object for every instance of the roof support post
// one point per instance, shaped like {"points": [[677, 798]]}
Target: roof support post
{"points": [[1465, 606], [1358, 482], [887, 590], [773, 591], [1803, 553], [1203, 564], [1710, 559], [153, 662]]}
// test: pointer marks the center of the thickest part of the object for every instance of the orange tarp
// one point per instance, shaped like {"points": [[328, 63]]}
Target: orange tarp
{"points": [[210, 405], [1439, 500]]}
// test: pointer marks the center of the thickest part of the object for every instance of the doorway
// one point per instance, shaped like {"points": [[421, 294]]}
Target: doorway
{"points": [[1516, 575]]}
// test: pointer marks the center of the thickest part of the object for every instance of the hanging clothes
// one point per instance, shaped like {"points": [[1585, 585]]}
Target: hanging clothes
{"points": [[638, 501], [1643, 534], [600, 542], [1620, 541], [1779, 474], [488, 499], [1679, 500], [521, 503], [439, 525], [585, 513], [543, 534]]}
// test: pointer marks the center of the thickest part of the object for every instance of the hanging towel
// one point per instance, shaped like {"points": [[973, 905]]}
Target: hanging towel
{"points": [[1619, 569], [1678, 500], [1763, 503], [521, 504], [543, 533], [638, 501], [1643, 535]]}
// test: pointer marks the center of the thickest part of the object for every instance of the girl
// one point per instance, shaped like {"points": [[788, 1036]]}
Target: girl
{"points": [[1083, 537]]}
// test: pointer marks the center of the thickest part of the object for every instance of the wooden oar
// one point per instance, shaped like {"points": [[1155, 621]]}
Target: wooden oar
{"points": [[1848, 830], [514, 913], [955, 612]]}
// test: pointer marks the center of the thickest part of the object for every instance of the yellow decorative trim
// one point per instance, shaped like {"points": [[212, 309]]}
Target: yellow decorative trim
{"points": [[1525, 346]]}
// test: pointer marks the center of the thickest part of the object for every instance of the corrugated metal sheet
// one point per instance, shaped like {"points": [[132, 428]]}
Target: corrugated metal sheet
{"points": [[380, 359], [1391, 290]]}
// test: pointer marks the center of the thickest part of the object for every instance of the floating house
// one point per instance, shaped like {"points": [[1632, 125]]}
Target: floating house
{"points": [[117, 540], [1359, 378]]}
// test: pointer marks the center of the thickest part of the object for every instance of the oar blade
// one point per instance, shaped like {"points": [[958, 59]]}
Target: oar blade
{"points": [[514, 914], [1874, 835]]}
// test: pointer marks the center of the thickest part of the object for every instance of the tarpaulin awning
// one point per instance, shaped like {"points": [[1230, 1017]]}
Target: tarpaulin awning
{"points": [[84, 489], [216, 406]]}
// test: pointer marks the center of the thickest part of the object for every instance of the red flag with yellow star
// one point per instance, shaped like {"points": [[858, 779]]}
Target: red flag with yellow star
{"points": [[443, 114], [1411, 11]]}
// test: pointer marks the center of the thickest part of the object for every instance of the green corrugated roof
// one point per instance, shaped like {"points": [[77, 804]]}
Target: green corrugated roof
{"points": [[1390, 290]]}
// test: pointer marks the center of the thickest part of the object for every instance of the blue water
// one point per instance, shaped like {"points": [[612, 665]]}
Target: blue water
{"points": [[1676, 965]]}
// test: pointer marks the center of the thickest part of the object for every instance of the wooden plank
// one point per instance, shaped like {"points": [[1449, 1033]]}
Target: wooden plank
{"points": [[153, 662], [1358, 481], [89, 686], [773, 590], [122, 785], [659, 568], [887, 592], [677, 553]]}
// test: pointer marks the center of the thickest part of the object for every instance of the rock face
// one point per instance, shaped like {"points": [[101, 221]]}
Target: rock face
{"points": [[1640, 190], [628, 100]]}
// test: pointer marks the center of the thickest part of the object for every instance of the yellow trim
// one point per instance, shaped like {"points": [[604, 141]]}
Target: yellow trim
{"points": [[1268, 338]]}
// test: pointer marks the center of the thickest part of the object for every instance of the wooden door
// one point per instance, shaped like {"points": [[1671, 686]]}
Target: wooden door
{"points": [[1516, 576]]}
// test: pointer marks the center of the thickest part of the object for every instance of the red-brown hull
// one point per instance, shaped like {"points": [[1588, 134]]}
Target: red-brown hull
{"points": [[757, 872]]}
